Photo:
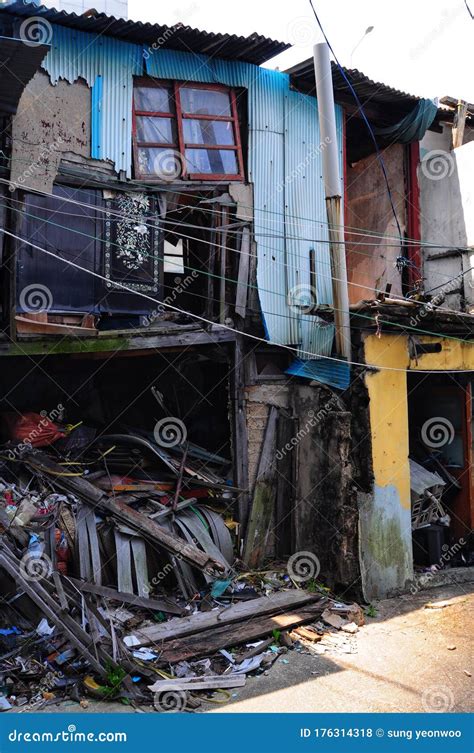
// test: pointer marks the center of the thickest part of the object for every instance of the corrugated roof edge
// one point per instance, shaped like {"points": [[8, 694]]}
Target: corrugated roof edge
{"points": [[304, 72], [255, 49]]}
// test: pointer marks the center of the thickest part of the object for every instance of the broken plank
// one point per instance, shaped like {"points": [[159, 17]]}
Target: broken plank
{"points": [[210, 642], [199, 683], [159, 605], [202, 621], [263, 497], [155, 533]]}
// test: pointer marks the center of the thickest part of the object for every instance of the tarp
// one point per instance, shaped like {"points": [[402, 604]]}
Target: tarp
{"points": [[413, 126]]}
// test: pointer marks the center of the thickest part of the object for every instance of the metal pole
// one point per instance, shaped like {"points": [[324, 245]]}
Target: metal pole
{"points": [[333, 191]]}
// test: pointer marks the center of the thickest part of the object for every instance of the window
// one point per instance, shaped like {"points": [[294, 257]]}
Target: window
{"points": [[186, 131]]}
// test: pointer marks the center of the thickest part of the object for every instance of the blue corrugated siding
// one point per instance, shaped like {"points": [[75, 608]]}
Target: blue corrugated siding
{"points": [[284, 161], [78, 54]]}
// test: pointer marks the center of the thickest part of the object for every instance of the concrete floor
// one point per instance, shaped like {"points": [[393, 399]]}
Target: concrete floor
{"points": [[405, 662]]}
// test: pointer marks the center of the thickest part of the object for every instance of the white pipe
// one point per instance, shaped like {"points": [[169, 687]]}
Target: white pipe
{"points": [[327, 120], [333, 190]]}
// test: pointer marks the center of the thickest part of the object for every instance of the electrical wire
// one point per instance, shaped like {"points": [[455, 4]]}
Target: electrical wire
{"points": [[227, 327], [236, 282], [120, 216], [364, 117]]}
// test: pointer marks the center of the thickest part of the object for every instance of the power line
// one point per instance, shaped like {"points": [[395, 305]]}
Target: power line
{"points": [[298, 351], [369, 127], [227, 279], [122, 216]]}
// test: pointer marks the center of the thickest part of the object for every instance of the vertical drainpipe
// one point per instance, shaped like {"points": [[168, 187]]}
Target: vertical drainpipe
{"points": [[333, 191]]}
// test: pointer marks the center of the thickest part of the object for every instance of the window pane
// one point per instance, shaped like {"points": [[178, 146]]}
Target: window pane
{"points": [[208, 132], [212, 161], [205, 102], [159, 162], [152, 99], [160, 130]]}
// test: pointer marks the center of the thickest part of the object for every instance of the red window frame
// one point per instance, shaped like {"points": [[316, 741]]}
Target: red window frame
{"points": [[178, 116]]}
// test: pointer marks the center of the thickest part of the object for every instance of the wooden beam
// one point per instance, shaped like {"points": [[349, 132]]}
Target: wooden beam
{"points": [[160, 605], [263, 497], [234, 635], [208, 621]]}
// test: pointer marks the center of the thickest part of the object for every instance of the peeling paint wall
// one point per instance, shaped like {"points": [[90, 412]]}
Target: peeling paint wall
{"points": [[50, 121], [372, 266], [385, 537]]}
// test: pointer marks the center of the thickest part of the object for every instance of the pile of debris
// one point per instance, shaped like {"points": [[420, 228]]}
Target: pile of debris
{"points": [[118, 577]]}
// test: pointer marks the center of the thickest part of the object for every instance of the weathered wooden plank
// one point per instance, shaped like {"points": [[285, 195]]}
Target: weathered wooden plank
{"points": [[236, 634], [124, 562], [199, 683], [201, 621], [163, 605], [263, 497], [140, 565], [243, 276]]}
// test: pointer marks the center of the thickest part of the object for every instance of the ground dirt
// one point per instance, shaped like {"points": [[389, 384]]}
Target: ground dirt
{"points": [[409, 659]]}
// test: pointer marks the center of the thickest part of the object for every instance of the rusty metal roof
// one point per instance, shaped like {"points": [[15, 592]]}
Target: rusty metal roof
{"points": [[254, 49]]}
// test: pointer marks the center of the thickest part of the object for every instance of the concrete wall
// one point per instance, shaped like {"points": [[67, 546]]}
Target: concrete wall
{"points": [[447, 217], [52, 123], [385, 540], [372, 266]]}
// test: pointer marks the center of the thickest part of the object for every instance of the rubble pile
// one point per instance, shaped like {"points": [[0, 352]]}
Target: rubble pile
{"points": [[119, 581]]}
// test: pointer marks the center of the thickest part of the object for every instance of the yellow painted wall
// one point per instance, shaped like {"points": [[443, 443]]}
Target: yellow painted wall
{"points": [[388, 407], [385, 520]]}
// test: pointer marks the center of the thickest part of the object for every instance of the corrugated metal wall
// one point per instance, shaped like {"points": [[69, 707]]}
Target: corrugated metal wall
{"points": [[108, 64], [284, 162]]}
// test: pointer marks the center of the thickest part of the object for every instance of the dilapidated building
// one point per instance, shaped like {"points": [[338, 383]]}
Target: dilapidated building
{"points": [[166, 257]]}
